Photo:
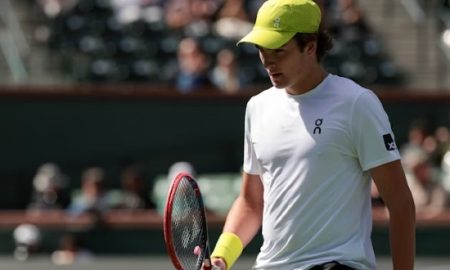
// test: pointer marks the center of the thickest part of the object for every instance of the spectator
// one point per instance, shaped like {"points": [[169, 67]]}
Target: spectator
{"points": [[92, 197], [27, 238], [347, 21], [442, 137], [134, 193], [53, 8], [232, 21], [130, 11], [49, 189], [193, 66], [434, 141], [162, 184], [446, 171], [418, 131], [191, 16], [429, 195], [225, 74], [181, 166], [187, 167]]}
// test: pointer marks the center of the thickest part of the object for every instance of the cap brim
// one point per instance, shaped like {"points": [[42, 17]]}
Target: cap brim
{"points": [[267, 39]]}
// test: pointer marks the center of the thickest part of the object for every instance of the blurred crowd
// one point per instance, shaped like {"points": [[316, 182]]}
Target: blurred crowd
{"points": [[426, 161], [191, 44], [51, 191], [425, 158]]}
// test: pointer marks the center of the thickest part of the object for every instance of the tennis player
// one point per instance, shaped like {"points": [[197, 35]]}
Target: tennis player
{"points": [[312, 144]]}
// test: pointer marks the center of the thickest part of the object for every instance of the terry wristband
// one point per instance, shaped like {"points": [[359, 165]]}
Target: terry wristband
{"points": [[229, 247]]}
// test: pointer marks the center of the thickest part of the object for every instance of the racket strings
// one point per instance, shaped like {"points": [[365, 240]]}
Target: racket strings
{"points": [[187, 226]]}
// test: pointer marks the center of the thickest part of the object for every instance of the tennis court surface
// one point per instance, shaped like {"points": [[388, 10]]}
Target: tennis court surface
{"points": [[163, 263]]}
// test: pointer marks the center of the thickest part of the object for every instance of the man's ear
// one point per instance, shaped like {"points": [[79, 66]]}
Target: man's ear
{"points": [[311, 47]]}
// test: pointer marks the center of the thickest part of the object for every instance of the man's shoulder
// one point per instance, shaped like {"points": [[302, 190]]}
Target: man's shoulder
{"points": [[346, 92], [347, 86], [267, 94]]}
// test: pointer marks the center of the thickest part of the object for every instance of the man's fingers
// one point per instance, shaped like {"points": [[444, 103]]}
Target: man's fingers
{"points": [[218, 264], [197, 251]]}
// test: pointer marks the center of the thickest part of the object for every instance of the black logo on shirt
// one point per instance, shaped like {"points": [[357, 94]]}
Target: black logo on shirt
{"points": [[389, 142], [318, 123]]}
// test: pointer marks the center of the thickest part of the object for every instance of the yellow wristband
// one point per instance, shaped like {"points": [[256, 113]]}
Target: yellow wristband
{"points": [[229, 247]]}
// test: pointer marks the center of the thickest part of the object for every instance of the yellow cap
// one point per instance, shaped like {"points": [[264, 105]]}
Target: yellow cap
{"points": [[279, 20]]}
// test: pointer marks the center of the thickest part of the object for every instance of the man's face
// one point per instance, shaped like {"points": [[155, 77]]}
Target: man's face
{"points": [[288, 66]]}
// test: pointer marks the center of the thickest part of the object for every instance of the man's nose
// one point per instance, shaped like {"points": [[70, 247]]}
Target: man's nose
{"points": [[266, 59]]}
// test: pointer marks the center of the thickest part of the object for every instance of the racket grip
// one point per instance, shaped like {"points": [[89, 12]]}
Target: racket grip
{"points": [[209, 266], [212, 267]]}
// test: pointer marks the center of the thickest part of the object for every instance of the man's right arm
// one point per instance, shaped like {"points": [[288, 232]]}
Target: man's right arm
{"points": [[245, 216]]}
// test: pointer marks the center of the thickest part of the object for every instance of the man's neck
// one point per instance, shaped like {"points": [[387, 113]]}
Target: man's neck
{"points": [[316, 76]]}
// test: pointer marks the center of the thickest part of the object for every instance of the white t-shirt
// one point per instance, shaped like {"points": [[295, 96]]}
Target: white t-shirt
{"points": [[313, 152]]}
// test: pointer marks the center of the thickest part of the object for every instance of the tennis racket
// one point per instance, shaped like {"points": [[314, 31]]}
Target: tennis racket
{"points": [[185, 227]]}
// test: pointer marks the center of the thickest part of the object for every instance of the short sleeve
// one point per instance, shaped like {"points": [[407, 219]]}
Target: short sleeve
{"points": [[372, 135]]}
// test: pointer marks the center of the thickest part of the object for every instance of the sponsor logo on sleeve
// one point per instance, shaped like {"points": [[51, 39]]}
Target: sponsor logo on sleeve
{"points": [[389, 142]]}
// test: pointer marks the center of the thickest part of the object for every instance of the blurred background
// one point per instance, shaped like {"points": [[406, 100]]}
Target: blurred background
{"points": [[103, 101]]}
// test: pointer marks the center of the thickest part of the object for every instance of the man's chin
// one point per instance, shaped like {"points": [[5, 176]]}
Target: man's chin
{"points": [[278, 85]]}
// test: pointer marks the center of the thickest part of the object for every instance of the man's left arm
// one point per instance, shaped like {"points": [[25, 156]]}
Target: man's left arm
{"points": [[391, 183]]}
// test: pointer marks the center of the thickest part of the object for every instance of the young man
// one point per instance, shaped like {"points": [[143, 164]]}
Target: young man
{"points": [[313, 142]]}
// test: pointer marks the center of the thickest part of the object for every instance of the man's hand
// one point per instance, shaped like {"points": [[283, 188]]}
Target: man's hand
{"points": [[219, 263], [216, 263]]}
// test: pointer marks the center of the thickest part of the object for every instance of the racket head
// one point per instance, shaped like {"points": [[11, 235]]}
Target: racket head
{"points": [[185, 224]]}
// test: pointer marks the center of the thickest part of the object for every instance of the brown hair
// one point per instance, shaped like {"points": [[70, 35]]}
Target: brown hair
{"points": [[323, 38]]}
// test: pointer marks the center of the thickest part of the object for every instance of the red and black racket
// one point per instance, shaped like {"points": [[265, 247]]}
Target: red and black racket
{"points": [[185, 227]]}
